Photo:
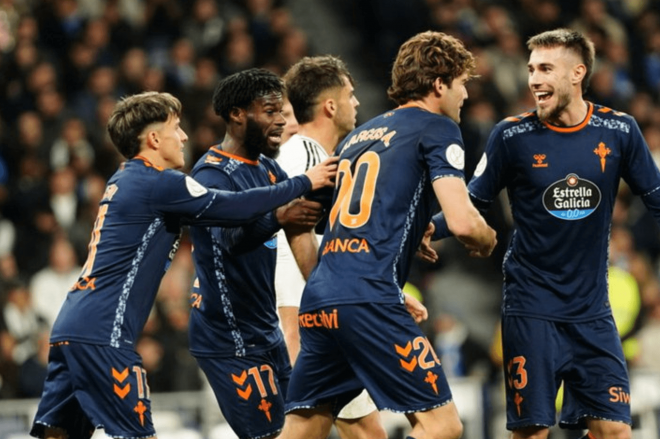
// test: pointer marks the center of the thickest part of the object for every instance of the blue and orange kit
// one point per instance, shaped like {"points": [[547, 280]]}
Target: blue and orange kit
{"points": [[135, 237], [233, 302], [562, 183], [387, 166]]}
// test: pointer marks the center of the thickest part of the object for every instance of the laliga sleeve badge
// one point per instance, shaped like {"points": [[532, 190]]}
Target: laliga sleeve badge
{"points": [[194, 188], [456, 156]]}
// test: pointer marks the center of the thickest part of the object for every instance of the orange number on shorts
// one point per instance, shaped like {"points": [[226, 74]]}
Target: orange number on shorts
{"points": [[260, 384], [520, 382], [141, 378], [369, 165], [425, 345]]}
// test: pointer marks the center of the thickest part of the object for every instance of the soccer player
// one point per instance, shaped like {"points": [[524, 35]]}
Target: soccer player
{"points": [[561, 165], [322, 89], [355, 330], [234, 330], [95, 377]]}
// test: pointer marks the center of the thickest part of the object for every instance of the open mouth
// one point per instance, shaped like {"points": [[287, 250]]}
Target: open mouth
{"points": [[542, 96], [275, 138]]}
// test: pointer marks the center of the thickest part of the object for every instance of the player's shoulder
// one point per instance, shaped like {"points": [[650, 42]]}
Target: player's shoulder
{"points": [[213, 159], [518, 124], [607, 113]]}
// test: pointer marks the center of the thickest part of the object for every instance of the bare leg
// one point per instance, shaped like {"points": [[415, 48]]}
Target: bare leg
{"points": [[307, 424], [367, 427], [438, 423]]}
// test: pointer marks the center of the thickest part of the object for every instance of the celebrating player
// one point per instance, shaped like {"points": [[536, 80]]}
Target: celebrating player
{"points": [[355, 330]]}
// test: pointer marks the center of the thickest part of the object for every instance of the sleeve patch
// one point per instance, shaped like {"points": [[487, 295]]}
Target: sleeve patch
{"points": [[194, 188], [456, 156], [481, 166]]}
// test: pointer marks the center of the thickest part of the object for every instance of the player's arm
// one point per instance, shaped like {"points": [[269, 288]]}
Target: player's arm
{"points": [[227, 208], [289, 322], [463, 219]]}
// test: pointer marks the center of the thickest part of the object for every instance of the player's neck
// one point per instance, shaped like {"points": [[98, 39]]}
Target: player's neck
{"points": [[423, 104], [153, 158], [573, 115], [323, 133], [233, 146]]}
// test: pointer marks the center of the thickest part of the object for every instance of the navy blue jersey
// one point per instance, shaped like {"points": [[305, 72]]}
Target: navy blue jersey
{"points": [[382, 204], [134, 239], [233, 302], [562, 185]]}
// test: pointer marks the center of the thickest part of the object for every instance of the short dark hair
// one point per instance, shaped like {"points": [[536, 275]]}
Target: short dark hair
{"points": [[241, 89], [572, 40], [422, 59], [134, 113], [309, 78]]}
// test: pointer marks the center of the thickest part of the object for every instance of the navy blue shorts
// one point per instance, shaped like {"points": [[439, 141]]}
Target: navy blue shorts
{"points": [[250, 390], [347, 348], [588, 358], [89, 387]]}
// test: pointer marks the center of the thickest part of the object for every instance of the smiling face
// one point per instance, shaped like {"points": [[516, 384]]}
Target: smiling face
{"points": [[453, 97], [552, 80], [265, 126]]}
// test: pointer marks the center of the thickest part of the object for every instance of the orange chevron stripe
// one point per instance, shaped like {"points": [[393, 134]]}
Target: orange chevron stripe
{"points": [[404, 352], [409, 365], [245, 394], [120, 376], [240, 380], [122, 392]]}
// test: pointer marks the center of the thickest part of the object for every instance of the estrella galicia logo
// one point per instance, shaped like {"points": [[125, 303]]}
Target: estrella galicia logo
{"points": [[572, 198], [271, 243]]}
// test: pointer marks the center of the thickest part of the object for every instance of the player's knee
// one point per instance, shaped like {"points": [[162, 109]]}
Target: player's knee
{"points": [[449, 430], [610, 430]]}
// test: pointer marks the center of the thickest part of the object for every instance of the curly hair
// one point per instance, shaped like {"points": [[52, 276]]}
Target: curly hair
{"points": [[309, 78], [572, 40], [422, 59], [133, 114], [241, 89]]}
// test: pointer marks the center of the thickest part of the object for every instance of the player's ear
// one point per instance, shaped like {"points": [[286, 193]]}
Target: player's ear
{"points": [[579, 71], [439, 87], [330, 107], [152, 138], [237, 115]]}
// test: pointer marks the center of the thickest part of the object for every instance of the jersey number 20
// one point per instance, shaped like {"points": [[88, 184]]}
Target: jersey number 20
{"points": [[351, 187]]}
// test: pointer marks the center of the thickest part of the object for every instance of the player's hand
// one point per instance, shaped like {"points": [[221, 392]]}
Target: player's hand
{"points": [[299, 213], [324, 173], [425, 252], [486, 249], [416, 308]]}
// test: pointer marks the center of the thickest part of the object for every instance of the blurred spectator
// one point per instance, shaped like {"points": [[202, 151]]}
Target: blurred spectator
{"points": [[460, 354], [72, 148], [49, 286], [22, 321]]}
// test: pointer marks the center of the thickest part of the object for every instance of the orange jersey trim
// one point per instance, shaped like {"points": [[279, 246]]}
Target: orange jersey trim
{"points": [[575, 128], [235, 157], [147, 163]]}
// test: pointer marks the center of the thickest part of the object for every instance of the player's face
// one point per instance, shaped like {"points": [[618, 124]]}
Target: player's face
{"points": [[550, 80], [347, 104], [265, 126], [291, 126], [171, 140], [453, 98]]}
